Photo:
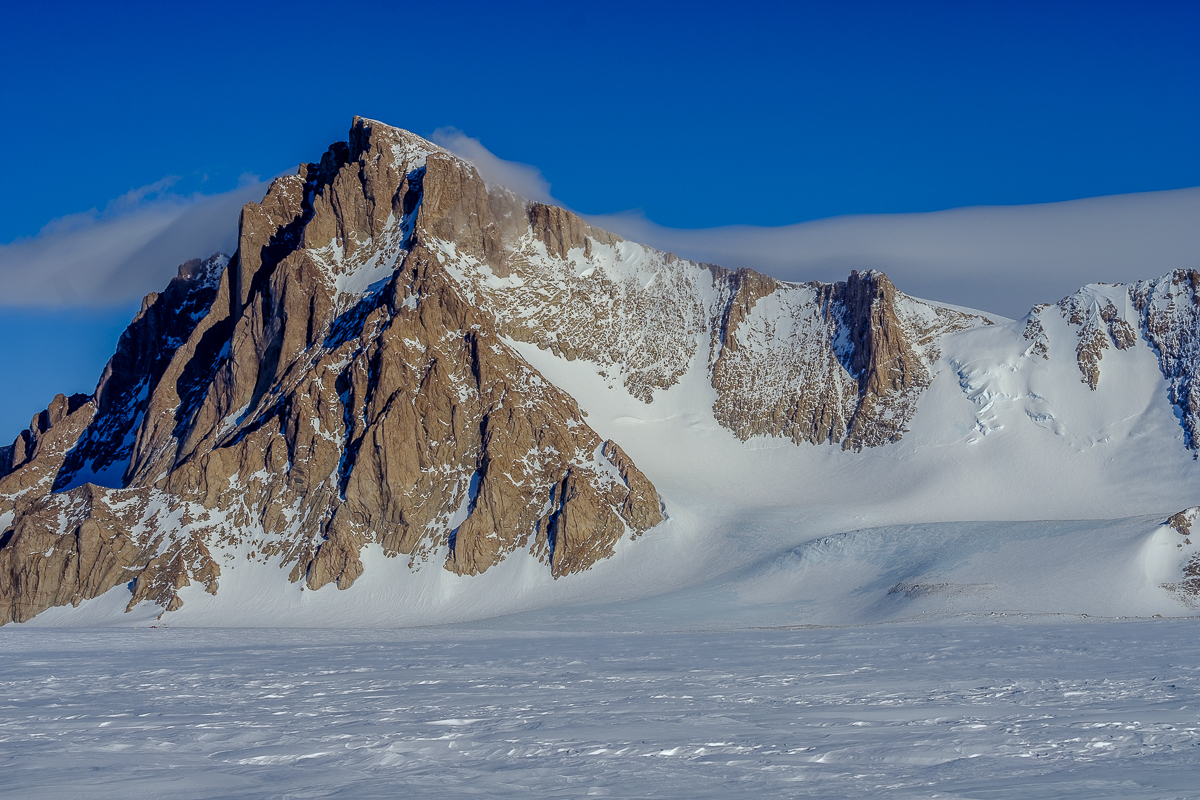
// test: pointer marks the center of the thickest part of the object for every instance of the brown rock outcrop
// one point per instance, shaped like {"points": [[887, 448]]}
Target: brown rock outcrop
{"points": [[1187, 585], [774, 381], [1182, 521], [561, 231], [63, 549], [841, 362], [144, 353], [882, 357], [635, 311], [1101, 325], [1035, 333], [44, 444], [67, 547], [333, 385]]}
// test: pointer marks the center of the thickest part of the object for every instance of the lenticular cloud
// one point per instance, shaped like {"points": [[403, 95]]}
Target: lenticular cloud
{"points": [[999, 259], [524, 179], [109, 257]]}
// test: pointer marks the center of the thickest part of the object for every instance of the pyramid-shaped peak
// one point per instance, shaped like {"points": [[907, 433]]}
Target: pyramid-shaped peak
{"points": [[367, 133]]}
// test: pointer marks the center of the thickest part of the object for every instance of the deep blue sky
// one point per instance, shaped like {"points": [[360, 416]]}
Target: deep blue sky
{"points": [[700, 114]]}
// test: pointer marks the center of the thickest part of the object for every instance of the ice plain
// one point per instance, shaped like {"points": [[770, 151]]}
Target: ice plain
{"points": [[978, 707]]}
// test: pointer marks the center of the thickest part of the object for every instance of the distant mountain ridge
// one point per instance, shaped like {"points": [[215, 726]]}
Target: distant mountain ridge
{"points": [[353, 377]]}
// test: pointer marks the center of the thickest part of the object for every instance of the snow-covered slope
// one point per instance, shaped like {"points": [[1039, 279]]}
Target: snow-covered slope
{"points": [[401, 360]]}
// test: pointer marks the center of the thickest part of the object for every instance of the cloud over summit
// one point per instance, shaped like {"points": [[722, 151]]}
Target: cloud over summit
{"points": [[524, 179]]}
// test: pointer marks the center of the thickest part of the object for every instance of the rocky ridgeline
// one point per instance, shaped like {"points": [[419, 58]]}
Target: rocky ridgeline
{"points": [[813, 362], [1163, 313], [1098, 314], [841, 362], [348, 379], [1169, 312]]}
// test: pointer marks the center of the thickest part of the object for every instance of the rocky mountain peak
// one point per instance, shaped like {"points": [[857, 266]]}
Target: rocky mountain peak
{"points": [[1169, 311], [329, 388], [881, 356], [1163, 313]]}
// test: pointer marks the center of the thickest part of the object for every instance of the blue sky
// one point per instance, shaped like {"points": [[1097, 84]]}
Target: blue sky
{"points": [[698, 114]]}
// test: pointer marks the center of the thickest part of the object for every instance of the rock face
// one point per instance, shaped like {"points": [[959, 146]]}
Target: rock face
{"points": [[1100, 324], [1169, 312], [842, 362], [812, 362], [352, 378], [331, 386]]}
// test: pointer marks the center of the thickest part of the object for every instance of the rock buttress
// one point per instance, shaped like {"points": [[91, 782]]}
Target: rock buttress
{"points": [[842, 362]]}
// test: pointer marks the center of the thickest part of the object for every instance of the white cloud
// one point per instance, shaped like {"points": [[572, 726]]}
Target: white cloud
{"points": [[132, 247], [1002, 259], [523, 179]]}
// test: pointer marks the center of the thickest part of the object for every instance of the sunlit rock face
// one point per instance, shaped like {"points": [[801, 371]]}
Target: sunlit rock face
{"points": [[331, 385]]}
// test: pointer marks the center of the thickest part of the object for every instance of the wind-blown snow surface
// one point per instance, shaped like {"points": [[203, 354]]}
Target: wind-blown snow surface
{"points": [[970, 709]]}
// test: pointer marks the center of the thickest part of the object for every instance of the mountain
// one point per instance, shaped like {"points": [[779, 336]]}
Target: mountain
{"points": [[450, 402]]}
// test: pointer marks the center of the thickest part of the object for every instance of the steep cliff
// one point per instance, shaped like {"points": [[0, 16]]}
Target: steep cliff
{"points": [[328, 387], [1169, 312], [842, 362]]}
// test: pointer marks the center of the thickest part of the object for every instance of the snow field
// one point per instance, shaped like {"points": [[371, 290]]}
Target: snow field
{"points": [[970, 709]]}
